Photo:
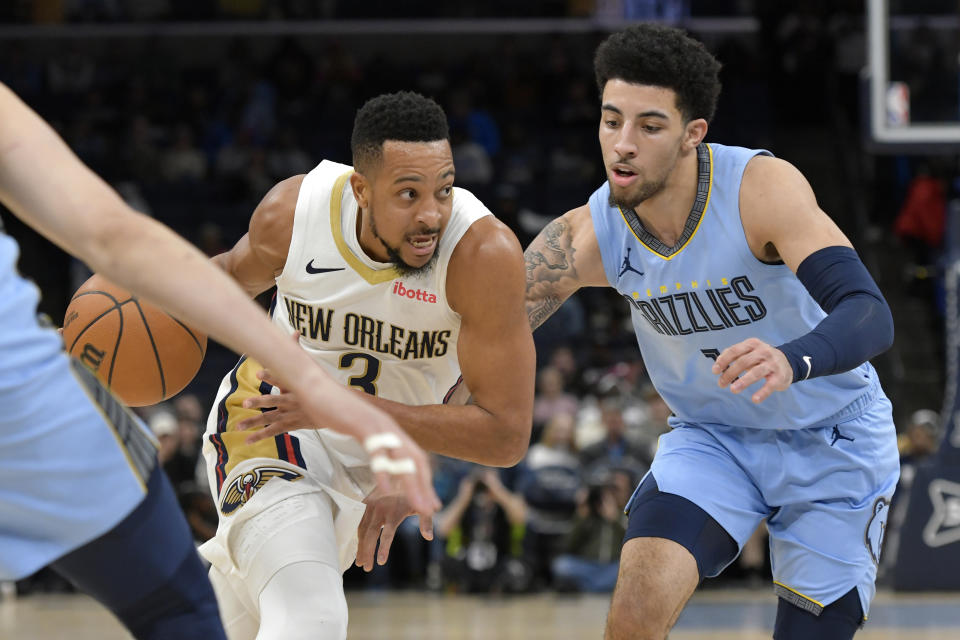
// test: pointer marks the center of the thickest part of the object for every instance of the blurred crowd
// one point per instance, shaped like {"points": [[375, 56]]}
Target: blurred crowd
{"points": [[195, 130]]}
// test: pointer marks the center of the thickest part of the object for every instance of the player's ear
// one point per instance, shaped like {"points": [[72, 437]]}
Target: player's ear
{"points": [[695, 132], [361, 189]]}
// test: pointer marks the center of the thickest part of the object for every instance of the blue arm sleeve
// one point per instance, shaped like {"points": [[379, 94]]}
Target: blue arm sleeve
{"points": [[858, 325]]}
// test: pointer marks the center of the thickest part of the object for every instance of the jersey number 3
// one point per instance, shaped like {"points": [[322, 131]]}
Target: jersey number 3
{"points": [[367, 378]]}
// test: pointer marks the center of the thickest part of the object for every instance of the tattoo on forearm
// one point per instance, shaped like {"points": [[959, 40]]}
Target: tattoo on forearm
{"points": [[549, 259], [539, 310]]}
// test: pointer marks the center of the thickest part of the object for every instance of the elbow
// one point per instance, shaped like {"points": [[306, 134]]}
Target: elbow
{"points": [[514, 440], [885, 330], [889, 335]]}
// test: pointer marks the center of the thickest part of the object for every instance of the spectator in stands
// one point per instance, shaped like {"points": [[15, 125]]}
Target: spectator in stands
{"points": [[552, 399], [163, 424], [287, 158], [483, 528], [922, 218], [591, 553], [141, 155], [615, 450], [918, 442], [472, 161], [183, 161], [549, 485]]}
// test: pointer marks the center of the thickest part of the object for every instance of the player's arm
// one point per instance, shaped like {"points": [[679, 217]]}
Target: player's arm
{"points": [[44, 184], [495, 349], [258, 257], [562, 258], [782, 221], [485, 286]]}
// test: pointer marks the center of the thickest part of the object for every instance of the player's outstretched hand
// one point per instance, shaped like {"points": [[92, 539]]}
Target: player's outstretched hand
{"points": [[750, 361], [281, 412], [384, 514], [397, 462]]}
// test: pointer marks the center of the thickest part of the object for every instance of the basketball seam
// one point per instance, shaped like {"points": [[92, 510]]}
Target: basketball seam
{"points": [[153, 345], [116, 347], [116, 306], [187, 329]]}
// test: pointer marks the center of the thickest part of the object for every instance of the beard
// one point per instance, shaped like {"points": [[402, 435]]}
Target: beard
{"points": [[393, 253], [631, 197], [644, 191]]}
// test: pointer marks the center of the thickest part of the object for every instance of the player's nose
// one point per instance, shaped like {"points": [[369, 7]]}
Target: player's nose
{"points": [[430, 214], [624, 144]]}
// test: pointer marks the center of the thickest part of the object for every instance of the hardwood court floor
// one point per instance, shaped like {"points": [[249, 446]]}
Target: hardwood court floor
{"points": [[711, 615]]}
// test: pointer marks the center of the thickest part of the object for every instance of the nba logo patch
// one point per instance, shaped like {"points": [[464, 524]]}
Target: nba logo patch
{"points": [[873, 535], [247, 484]]}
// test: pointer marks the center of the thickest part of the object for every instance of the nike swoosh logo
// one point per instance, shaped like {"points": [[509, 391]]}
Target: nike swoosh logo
{"points": [[809, 364], [313, 269]]}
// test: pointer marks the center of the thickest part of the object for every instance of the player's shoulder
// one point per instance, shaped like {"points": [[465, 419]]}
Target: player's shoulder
{"points": [[764, 172], [278, 205], [489, 240]]}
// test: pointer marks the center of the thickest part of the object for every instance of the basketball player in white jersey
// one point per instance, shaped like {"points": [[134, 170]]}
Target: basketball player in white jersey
{"points": [[80, 486], [397, 283]]}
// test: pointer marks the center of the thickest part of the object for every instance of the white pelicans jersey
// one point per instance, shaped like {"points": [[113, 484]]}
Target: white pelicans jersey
{"points": [[388, 334], [369, 327]]}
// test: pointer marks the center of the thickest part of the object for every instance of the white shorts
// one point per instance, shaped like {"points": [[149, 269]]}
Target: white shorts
{"points": [[307, 474]]}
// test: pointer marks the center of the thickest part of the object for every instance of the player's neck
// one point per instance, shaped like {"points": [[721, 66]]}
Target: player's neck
{"points": [[665, 214], [367, 239]]}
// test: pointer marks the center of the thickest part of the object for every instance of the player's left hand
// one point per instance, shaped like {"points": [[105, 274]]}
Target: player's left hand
{"points": [[750, 361], [279, 410], [385, 512]]}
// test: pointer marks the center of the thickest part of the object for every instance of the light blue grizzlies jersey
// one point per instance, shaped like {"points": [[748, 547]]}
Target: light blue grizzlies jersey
{"points": [[691, 301], [24, 345], [72, 461]]}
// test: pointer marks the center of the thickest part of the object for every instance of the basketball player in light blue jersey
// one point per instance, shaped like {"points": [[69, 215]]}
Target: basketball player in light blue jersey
{"points": [[755, 318], [80, 486]]}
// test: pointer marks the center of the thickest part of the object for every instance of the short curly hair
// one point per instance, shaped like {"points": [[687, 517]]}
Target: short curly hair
{"points": [[661, 56], [404, 116]]}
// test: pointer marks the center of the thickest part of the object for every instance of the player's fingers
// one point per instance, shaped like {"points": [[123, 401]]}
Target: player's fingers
{"points": [[427, 500], [367, 534], [386, 539], [269, 431], [733, 371], [262, 401], [757, 372], [253, 422], [740, 367], [426, 525], [764, 392], [267, 376], [730, 354]]}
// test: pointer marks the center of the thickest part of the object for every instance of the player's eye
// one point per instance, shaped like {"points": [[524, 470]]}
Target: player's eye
{"points": [[446, 191], [649, 128], [408, 194]]}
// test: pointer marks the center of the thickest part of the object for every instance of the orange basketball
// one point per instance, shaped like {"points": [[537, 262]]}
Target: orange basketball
{"points": [[139, 351]]}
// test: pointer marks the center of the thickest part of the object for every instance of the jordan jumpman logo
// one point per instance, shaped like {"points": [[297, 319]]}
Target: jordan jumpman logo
{"points": [[626, 266], [839, 436]]}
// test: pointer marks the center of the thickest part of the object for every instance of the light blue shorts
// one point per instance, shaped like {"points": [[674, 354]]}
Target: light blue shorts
{"points": [[824, 491], [73, 463]]}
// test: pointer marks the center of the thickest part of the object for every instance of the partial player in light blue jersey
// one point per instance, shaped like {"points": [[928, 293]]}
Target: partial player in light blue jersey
{"points": [[80, 486], [756, 321]]}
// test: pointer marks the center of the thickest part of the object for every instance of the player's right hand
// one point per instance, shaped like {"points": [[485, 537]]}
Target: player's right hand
{"points": [[383, 515], [398, 463]]}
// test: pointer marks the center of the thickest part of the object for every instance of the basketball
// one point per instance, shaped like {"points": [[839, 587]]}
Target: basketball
{"points": [[139, 351]]}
